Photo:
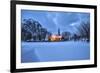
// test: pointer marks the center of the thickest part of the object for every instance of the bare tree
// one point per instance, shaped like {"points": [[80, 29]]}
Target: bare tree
{"points": [[84, 30]]}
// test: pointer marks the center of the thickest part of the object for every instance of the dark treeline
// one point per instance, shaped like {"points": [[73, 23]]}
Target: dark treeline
{"points": [[32, 30]]}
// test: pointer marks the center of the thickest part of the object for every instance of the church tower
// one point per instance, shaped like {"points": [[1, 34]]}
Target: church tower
{"points": [[59, 31]]}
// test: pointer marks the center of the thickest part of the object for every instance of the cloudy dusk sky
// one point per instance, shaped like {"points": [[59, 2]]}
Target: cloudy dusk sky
{"points": [[52, 20]]}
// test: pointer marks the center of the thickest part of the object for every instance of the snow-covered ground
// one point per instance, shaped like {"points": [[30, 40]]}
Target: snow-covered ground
{"points": [[54, 51]]}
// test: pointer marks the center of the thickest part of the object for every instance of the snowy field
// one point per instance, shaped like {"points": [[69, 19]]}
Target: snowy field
{"points": [[54, 51]]}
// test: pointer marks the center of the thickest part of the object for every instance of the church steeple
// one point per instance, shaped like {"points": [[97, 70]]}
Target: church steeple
{"points": [[59, 31]]}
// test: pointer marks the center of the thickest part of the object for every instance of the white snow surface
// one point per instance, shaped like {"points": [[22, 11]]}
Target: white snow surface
{"points": [[54, 51]]}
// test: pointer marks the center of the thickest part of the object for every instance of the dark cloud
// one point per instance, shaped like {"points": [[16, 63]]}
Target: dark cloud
{"points": [[54, 20]]}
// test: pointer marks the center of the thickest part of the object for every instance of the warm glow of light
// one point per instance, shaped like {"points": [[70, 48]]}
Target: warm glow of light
{"points": [[55, 38]]}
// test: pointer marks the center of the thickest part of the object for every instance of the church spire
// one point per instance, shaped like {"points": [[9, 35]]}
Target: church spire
{"points": [[59, 31]]}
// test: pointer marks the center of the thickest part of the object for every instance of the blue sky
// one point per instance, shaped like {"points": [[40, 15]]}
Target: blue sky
{"points": [[52, 20]]}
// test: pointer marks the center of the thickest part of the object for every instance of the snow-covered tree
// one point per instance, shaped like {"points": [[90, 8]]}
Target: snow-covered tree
{"points": [[32, 30]]}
